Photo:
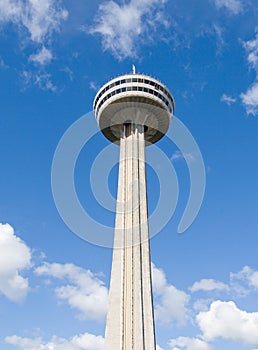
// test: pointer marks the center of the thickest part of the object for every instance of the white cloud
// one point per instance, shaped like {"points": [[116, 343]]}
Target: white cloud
{"points": [[171, 303], [202, 304], [2, 63], [189, 344], [35, 20], [208, 285], [251, 48], [9, 10], [218, 30], [84, 292], [43, 18], [233, 6], [250, 99], [93, 86], [89, 342], [177, 155], [24, 343], [15, 256], [42, 80], [247, 274], [39, 18], [240, 285], [69, 72], [228, 99], [82, 342], [158, 347], [43, 57], [226, 320], [123, 27]]}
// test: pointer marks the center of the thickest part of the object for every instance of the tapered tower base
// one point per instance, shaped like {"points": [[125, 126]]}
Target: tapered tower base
{"points": [[130, 323]]}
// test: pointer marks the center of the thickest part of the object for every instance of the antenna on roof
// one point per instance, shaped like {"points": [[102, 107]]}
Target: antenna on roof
{"points": [[133, 69]]}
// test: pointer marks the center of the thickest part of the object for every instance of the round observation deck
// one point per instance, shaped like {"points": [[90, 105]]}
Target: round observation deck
{"points": [[137, 99]]}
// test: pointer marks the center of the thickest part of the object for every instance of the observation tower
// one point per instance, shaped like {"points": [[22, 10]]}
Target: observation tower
{"points": [[132, 110]]}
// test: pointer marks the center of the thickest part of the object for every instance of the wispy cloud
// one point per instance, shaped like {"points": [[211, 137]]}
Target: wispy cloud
{"points": [[239, 285], [250, 97], [202, 304], [251, 47], [15, 256], [123, 27], [93, 86], [2, 63], [177, 155], [43, 57], [228, 99], [40, 79], [208, 285], [232, 6], [36, 22], [248, 276], [39, 18], [69, 72]]}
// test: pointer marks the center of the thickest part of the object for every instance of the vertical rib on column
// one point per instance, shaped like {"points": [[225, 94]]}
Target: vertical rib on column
{"points": [[130, 324], [128, 230], [138, 326], [148, 317], [115, 316]]}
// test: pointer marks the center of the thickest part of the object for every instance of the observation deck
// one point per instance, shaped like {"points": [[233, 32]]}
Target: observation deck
{"points": [[136, 99]]}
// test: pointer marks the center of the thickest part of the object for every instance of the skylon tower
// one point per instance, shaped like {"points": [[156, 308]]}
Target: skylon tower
{"points": [[132, 110]]}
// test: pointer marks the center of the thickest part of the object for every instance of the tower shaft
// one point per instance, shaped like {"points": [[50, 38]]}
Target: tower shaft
{"points": [[130, 323]]}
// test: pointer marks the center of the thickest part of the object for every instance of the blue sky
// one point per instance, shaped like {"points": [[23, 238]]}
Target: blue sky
{"points": [[54, 56]]}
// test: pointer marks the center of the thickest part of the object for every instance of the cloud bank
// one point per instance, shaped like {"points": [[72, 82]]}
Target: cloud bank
{"points": [[84, 341], [85, 292]]}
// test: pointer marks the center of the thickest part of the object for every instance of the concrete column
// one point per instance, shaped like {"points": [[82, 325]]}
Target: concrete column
{"points": [[130, 323]]}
